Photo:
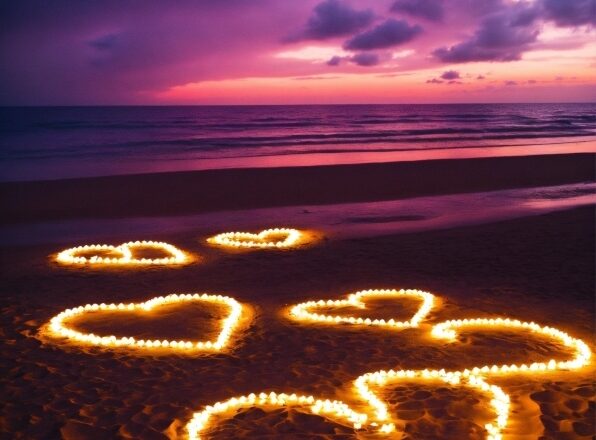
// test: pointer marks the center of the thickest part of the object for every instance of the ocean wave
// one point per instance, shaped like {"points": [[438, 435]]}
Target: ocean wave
{"points": [[152, 133]]}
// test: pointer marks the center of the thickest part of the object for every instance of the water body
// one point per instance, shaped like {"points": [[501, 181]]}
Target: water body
{"points": [[38, 143]]}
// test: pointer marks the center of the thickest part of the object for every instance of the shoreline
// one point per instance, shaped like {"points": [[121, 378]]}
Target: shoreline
{"points": [[193, 192]]}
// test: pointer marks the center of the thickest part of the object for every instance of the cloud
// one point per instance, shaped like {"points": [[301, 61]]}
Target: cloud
{"points": [[450, 75], [334, 61], [387, 34], [570, 12], [510, 83], [509, 29], [531, 81], [501, 37], [480, 77], [431, 10], [332, 18], [105, 42], [365, 59]]}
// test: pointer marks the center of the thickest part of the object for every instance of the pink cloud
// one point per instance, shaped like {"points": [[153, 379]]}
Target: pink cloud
{"points": [[129, 52]]}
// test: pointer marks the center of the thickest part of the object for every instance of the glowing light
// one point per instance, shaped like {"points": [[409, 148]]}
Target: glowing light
{"points": [[499, 400], [58, 328], [447, 330], [333, 408], [125, 250], [474, 377], [260, 240], [303, 311]]}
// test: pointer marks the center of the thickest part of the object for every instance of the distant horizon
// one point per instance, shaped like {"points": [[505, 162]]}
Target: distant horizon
{"points": [[299, 105]]}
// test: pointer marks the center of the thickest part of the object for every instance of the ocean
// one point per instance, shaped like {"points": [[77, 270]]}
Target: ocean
{"points": [[39, 143]]}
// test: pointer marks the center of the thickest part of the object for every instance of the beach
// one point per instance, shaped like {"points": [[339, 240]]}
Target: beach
{"points": [[534, 268], [179, 193], [298, 220]]}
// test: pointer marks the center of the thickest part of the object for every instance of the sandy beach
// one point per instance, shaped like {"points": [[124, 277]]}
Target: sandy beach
{"points": [[298, 220], [215, 190], [537, 268]]}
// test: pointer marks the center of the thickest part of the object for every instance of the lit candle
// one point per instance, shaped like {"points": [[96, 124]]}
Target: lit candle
{"points": [[304, 311], [260, 240], [125, 252], [58, 327]]}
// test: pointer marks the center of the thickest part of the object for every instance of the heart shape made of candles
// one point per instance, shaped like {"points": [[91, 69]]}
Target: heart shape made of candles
{"points": [[304, 311], [59, 328], [261, 240], [498, 399], [474, 377], [333, 409], [378, 418], [125, 253]]}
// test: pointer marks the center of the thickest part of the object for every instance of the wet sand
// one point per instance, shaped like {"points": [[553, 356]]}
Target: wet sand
{"points": [[231, 189]]}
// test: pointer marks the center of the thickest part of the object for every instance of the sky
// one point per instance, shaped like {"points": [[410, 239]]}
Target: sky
{"points": [[296, 51]]}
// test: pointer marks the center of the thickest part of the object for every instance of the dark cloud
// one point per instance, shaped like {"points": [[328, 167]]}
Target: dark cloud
{"points": [[332, 18], [450, 75], [524, 15], [389, 33], [570, 12], [500, 37], [454, 82], [428, 9], [510, 83], [531, 81], [509, 29], [334, 61], [365, 59], [434, 81], [105, 42], [480, 77]]}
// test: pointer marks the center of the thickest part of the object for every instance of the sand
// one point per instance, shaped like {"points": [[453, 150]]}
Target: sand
{"points": [[214, 190], [536, 268]]}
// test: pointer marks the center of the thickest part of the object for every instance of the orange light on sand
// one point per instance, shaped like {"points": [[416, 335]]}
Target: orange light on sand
{"points": [[125, 250], [332, 408], [378, 419], [447, 330], [499, 400], [475, 377], [303, 311], [261, 240], [59, 328]]}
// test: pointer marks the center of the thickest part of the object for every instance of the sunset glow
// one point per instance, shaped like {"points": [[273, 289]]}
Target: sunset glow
{"points": [[316, 51]]}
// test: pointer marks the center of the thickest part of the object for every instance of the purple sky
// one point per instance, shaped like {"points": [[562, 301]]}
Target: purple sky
{"points": [[288, 51]]}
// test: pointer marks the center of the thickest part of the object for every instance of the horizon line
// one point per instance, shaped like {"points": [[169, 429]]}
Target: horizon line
{"points": [[294, 105]]}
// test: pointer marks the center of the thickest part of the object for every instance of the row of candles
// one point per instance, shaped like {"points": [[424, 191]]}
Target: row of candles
{"points": [[59, 327], [334, 409], [473, 377], [123, 254], [303, 311]]}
